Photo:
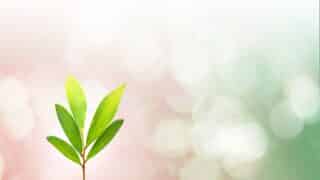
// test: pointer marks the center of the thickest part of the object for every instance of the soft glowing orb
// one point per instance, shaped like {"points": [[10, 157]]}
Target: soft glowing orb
{"points": [[241, 142], [202, 136], [13, 93], [240, 76], [145, 57], [245, 142], [304, 97], [227, 109], [200, 169], [18, 123], [98, 22], [171, 138], [190, 69], [142, 49], [220, 109], [283, 123], [16, 115]]}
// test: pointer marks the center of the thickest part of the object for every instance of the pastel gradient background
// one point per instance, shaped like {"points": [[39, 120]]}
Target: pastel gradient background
{"points": [[216, 90]]}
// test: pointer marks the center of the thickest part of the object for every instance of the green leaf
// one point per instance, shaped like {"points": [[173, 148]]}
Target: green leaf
{"points": [[104, 114], [69, 127], [64, 148], [105, 138], [77, 101]]}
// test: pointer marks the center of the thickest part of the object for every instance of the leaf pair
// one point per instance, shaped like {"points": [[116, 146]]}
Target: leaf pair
{"points": [[102, 130]]}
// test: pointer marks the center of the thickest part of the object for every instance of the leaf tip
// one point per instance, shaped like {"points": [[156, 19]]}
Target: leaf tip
{"points": [[70, 81], [57, 106], [49, 138], [122, 87], [120, 122], [70, 78]]}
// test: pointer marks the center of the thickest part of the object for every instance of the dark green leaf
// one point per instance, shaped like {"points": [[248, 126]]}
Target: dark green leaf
{"points": [[69, 127], [77, 101], [105, 138], [64, 148], [104, 114]]}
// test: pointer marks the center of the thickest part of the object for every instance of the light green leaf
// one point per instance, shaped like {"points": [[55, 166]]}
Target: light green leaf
{"points": [[69, 127], [104, 114], [105, 138], [77, 101], [64, 148]]}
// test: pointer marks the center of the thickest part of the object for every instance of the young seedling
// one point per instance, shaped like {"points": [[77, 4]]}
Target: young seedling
{"points": [[101, 131]]}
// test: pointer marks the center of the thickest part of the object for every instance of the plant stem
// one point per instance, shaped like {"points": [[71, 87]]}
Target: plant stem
{"points": [[83, 156], [83, 171], [83, 165]]}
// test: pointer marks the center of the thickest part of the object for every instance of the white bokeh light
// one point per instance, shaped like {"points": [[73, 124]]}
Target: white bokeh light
{"points": [[245, 142], [16, 115], [171, 138], [220, 124], [145, 57], [202, 134], [19, 123], [220, 109], [13, 93], [304, 97], [283, 123], [227, 109], [239, 142], [190, 69], [99, 22], [239, 76], [200, 169]]}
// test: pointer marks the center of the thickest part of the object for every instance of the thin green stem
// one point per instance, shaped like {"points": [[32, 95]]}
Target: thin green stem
{"points": [[83, 164], [84, 171]]}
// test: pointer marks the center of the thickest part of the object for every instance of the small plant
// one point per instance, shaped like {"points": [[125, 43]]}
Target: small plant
{"points": [[102, 128]]}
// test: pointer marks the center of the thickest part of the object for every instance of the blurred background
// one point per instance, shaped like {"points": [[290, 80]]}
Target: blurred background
{"points": [[216, 90]]}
